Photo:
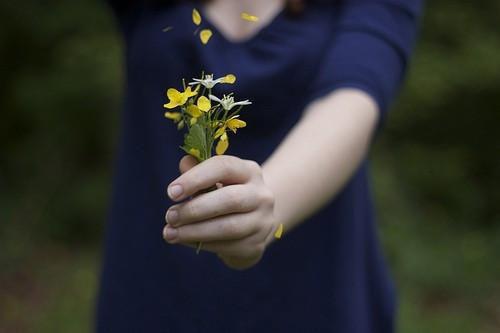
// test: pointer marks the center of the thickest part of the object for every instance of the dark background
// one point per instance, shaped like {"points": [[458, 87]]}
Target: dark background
{"points": [[436, 166]]}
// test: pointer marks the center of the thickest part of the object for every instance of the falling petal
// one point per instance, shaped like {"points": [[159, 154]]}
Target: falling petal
{"points": [[249, 17], [167, 29], [196, 17], [229, 78], [279, 231], [203, 104], [205, 35]]}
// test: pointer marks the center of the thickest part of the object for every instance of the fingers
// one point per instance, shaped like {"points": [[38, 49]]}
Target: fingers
{"points": [[186, 163], [224, 169], [223, 201], [228, 227]]}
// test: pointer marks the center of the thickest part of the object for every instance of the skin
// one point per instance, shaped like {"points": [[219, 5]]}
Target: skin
{"points": [[225, 15], [238, 220], [321, 152]]}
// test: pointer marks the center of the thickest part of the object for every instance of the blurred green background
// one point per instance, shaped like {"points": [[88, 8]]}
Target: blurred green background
{"points": [[436, 166]]}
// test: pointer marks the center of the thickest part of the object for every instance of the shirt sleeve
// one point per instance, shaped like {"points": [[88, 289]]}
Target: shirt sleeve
{"points": [[370, 49]]}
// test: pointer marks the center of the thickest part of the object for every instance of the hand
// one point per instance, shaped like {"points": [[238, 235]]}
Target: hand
{"points": [[235, 221]]}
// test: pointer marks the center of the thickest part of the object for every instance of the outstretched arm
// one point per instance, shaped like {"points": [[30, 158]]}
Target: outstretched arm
{"points": [[359, 76], [320, 154], [238, 221]]}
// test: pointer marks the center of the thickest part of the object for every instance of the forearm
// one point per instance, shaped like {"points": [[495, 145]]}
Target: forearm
{"points": [[320, 154]]}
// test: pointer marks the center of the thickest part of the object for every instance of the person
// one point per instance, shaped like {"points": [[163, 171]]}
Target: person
{"points": [[321, 76]]}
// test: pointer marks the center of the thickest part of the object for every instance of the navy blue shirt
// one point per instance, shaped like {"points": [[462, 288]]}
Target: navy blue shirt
{"points": [[328, 274]]}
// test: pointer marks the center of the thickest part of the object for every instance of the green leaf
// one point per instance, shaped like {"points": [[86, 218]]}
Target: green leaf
{"points": [[196, 138]]}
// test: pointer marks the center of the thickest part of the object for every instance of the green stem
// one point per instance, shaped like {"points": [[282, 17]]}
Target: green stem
{"points": [[236, 112]]}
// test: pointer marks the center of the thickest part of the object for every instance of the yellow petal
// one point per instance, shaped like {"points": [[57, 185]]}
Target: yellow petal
{"points": [[190, 93], [193, 111], [205, 35], [195, 152], [219, 132], [229, 78], [174, 94], [222, 145], [279, 231], [249, 17], [170, 105], [173, 115], [234, 123], [196, 16], [203, 104]]}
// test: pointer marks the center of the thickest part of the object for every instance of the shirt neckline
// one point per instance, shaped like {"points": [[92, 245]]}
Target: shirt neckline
{"points": [[247, 40]]}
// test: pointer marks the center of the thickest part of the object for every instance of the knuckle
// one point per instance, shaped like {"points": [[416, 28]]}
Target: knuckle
{"points": [[191, 181], [231, 228], [267, 196], [235, 199], [254, 167], [224, 162], [190, 210], [186, 234]]}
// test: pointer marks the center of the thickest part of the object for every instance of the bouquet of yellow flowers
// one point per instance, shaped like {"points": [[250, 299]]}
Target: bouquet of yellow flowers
{"points": [[207, 118]]}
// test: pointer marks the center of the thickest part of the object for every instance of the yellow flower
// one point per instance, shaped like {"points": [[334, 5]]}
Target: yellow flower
{"points": [[195, 152], [177, 98], [279, 231], [249, 17], [232, 123], [193, 111], [196, 17], [204, 104], [222, 145], [205, 35], [175, 116]]}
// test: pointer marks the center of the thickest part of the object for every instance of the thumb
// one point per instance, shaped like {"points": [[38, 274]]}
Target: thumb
{"points": [[186, 163]]}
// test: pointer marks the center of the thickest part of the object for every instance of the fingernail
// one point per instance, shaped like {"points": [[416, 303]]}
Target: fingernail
{"points": [[172, 216], [169, 233], [174, 191]]}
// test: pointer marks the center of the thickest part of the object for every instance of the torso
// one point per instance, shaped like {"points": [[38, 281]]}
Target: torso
{"points": [[305, 281]]}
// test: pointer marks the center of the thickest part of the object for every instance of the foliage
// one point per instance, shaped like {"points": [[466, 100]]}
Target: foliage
{"points": [[436, 166]]}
